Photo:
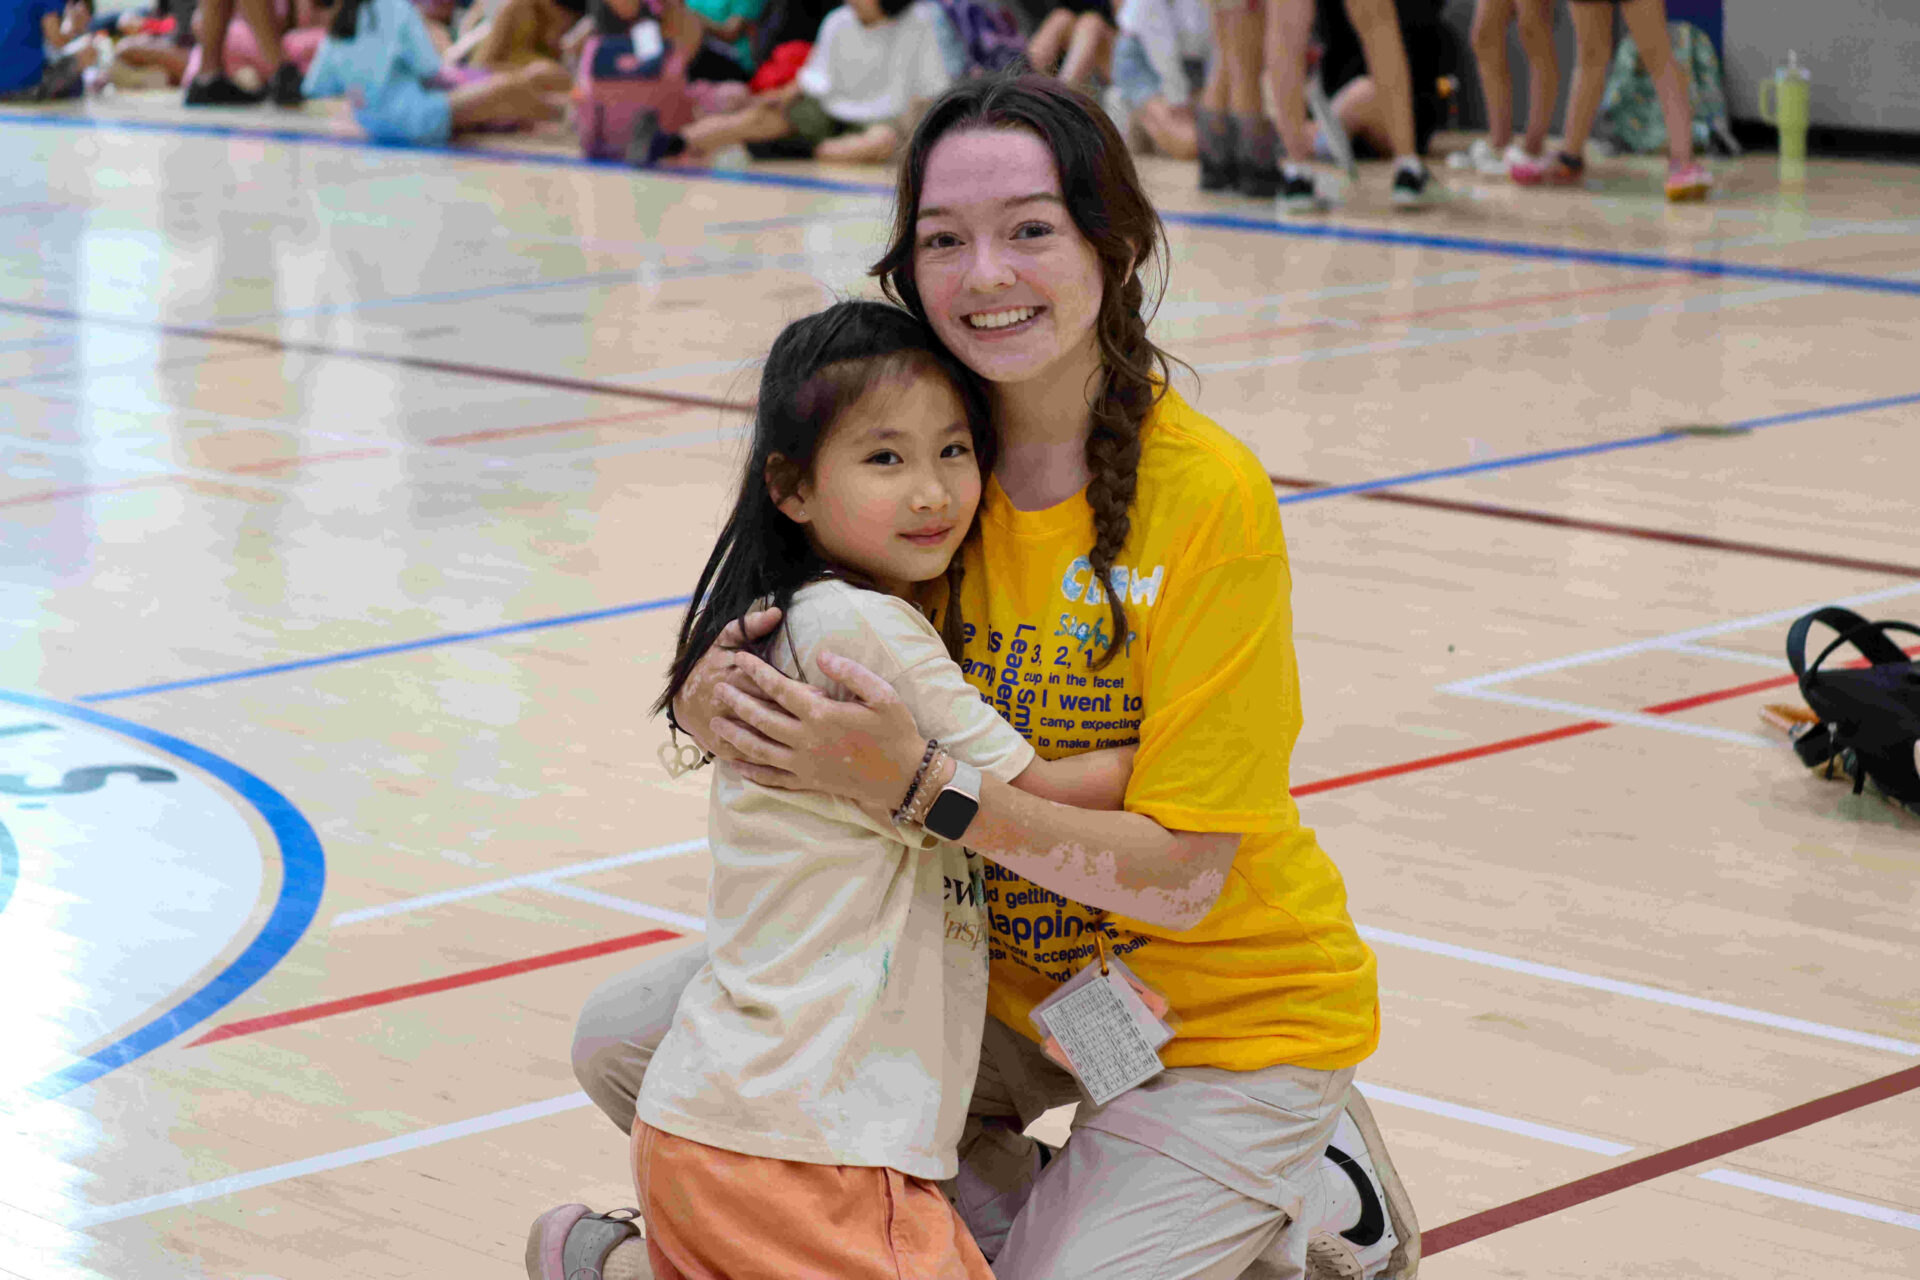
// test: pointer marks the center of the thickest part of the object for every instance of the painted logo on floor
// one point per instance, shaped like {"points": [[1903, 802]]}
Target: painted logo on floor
{"points": [[144, 883]]}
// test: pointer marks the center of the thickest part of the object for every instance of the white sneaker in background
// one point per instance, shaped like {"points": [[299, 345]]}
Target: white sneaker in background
{"points": [[1517, 154], [1480, 158]]}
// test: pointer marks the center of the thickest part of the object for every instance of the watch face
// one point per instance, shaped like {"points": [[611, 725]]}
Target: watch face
{"points": [[951, 814]]}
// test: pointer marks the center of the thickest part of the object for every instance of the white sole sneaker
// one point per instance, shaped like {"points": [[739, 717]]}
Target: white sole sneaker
{"points": [[1385, 1243]]}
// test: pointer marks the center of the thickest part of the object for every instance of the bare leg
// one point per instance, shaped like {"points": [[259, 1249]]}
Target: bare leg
{"points": [[215, 16], [1358, 109], [1289, 31], [1050, 40], [511, 37], [874, 144], [545, 76], [1647, 22], [759, 122], [266, 31], [1489, 35], [1543, 71], [509, 99], [1090, 51], [149, 51], [1592, 48], [1170, 128], [1379, 30]]}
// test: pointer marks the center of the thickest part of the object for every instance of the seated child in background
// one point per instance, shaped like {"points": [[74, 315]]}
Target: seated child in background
{"points": [[1075, 41], [825, 1053], [28, 30], [303, 24], [1159, 65], [1353, 95], [379, 55], [874, 67]]}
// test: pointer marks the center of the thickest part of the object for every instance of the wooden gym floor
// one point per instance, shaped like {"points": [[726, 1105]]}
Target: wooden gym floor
{"points": [[350, 495]]}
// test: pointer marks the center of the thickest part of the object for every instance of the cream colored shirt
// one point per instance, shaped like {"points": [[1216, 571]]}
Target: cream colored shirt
{"points": [[837, 1020]]}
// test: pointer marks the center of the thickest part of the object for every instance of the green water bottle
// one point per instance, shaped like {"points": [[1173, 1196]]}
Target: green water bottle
{"points": [[1784, 105]]}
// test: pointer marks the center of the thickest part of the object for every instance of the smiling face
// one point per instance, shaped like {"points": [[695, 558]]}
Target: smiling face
{"points": [[894, 485], [1008, 282]]}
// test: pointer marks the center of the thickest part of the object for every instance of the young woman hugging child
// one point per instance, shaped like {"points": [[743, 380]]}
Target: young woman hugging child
{"points": [[814, 1085]]}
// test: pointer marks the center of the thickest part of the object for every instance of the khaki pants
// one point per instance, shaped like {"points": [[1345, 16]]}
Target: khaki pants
{"points": [[1196, 1175]]}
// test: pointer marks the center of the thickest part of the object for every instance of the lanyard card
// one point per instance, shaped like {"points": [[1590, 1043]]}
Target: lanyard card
{"points": [[1108, 1034], [647, 41]]}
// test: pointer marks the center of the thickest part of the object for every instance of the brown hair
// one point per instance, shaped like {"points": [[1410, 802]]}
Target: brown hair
{"points": [[1107, 204]]}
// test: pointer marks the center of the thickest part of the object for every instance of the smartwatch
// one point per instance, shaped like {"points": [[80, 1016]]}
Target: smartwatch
{"points": [[953, 809]]}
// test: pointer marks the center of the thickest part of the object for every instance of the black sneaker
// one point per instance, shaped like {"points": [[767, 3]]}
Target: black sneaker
{"points": [[1416, 188], [1261, 184], [1300, 193], [284, 88], [1217, 175], [221, 92]]}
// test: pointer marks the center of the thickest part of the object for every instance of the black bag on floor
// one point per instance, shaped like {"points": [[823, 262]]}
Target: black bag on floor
{"points": [[1873, 711]]}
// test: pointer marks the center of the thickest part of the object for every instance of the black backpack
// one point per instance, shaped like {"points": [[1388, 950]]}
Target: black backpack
{"points": [[1869, 716]]}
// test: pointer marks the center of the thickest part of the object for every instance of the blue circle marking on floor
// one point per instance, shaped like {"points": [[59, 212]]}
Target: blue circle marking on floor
{"points": [[142, 873]]}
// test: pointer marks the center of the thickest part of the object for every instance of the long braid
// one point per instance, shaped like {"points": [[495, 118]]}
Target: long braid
{"points": [[1128, 390]]}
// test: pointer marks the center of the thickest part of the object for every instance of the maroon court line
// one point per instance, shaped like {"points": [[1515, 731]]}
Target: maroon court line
{"points": [[426, 364], [1634, 1172], [1671, 537], [450, 982]]}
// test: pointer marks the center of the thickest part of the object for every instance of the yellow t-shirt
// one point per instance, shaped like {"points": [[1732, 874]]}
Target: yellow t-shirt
{"points": [[1206, 683]]}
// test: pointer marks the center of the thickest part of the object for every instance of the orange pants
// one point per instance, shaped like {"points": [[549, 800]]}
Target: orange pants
{"points": [[719, 1215]]}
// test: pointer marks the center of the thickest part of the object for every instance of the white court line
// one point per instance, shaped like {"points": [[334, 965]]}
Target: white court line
{"points": [[1492, 1120], [332, 1160], [1818, 1199], [1636, 719], [1730, 655], [680, 919], [1636, 991], [533, 880], [1475, 683]]}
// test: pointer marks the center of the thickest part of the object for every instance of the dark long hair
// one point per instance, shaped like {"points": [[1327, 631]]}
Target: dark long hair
{"points": [[1107, 203], [818, 368], [346, 19]]}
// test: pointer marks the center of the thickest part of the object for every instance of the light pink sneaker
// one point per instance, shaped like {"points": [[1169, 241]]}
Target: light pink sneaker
{"points": [[574, 1243], [1557, 170], [1691, 182]]}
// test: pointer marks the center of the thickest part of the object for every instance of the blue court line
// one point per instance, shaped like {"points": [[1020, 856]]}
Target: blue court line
{"points": [[379, 651], [9, 866], [1588, 450], [1220, 221], [303, 877]]}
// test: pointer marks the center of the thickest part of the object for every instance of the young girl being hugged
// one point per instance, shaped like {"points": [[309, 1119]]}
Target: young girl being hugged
{"points": [[815, 1081], [379, 54]]}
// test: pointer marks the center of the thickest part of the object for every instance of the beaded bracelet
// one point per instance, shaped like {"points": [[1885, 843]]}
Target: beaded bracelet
{"points": [[899, 814], [921, 804]]}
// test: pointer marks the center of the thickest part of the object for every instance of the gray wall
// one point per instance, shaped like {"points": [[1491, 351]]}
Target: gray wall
{"points": [[1864, 56]]}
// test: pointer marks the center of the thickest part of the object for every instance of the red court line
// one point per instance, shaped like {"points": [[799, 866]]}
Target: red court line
{"points": [[511, 433], [471, 977], [1634, 1172], [82, 491], [264, 342], [1549, 519], [1401, 317]]}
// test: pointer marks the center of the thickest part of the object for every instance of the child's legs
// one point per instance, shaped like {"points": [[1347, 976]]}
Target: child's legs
{"points": [[1089, 51], [266, 31], [1289, 30], [1543, 70], [623, 1023], [874, 144], [716, 1212], [215, 17], [1050, 39], [1647, 23], [497, 100], [758, 121], [543, 75], [1170, 128], [1489, 35], [1236, 43], [1592, 49], [1378, 26], [1357, 107]]}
